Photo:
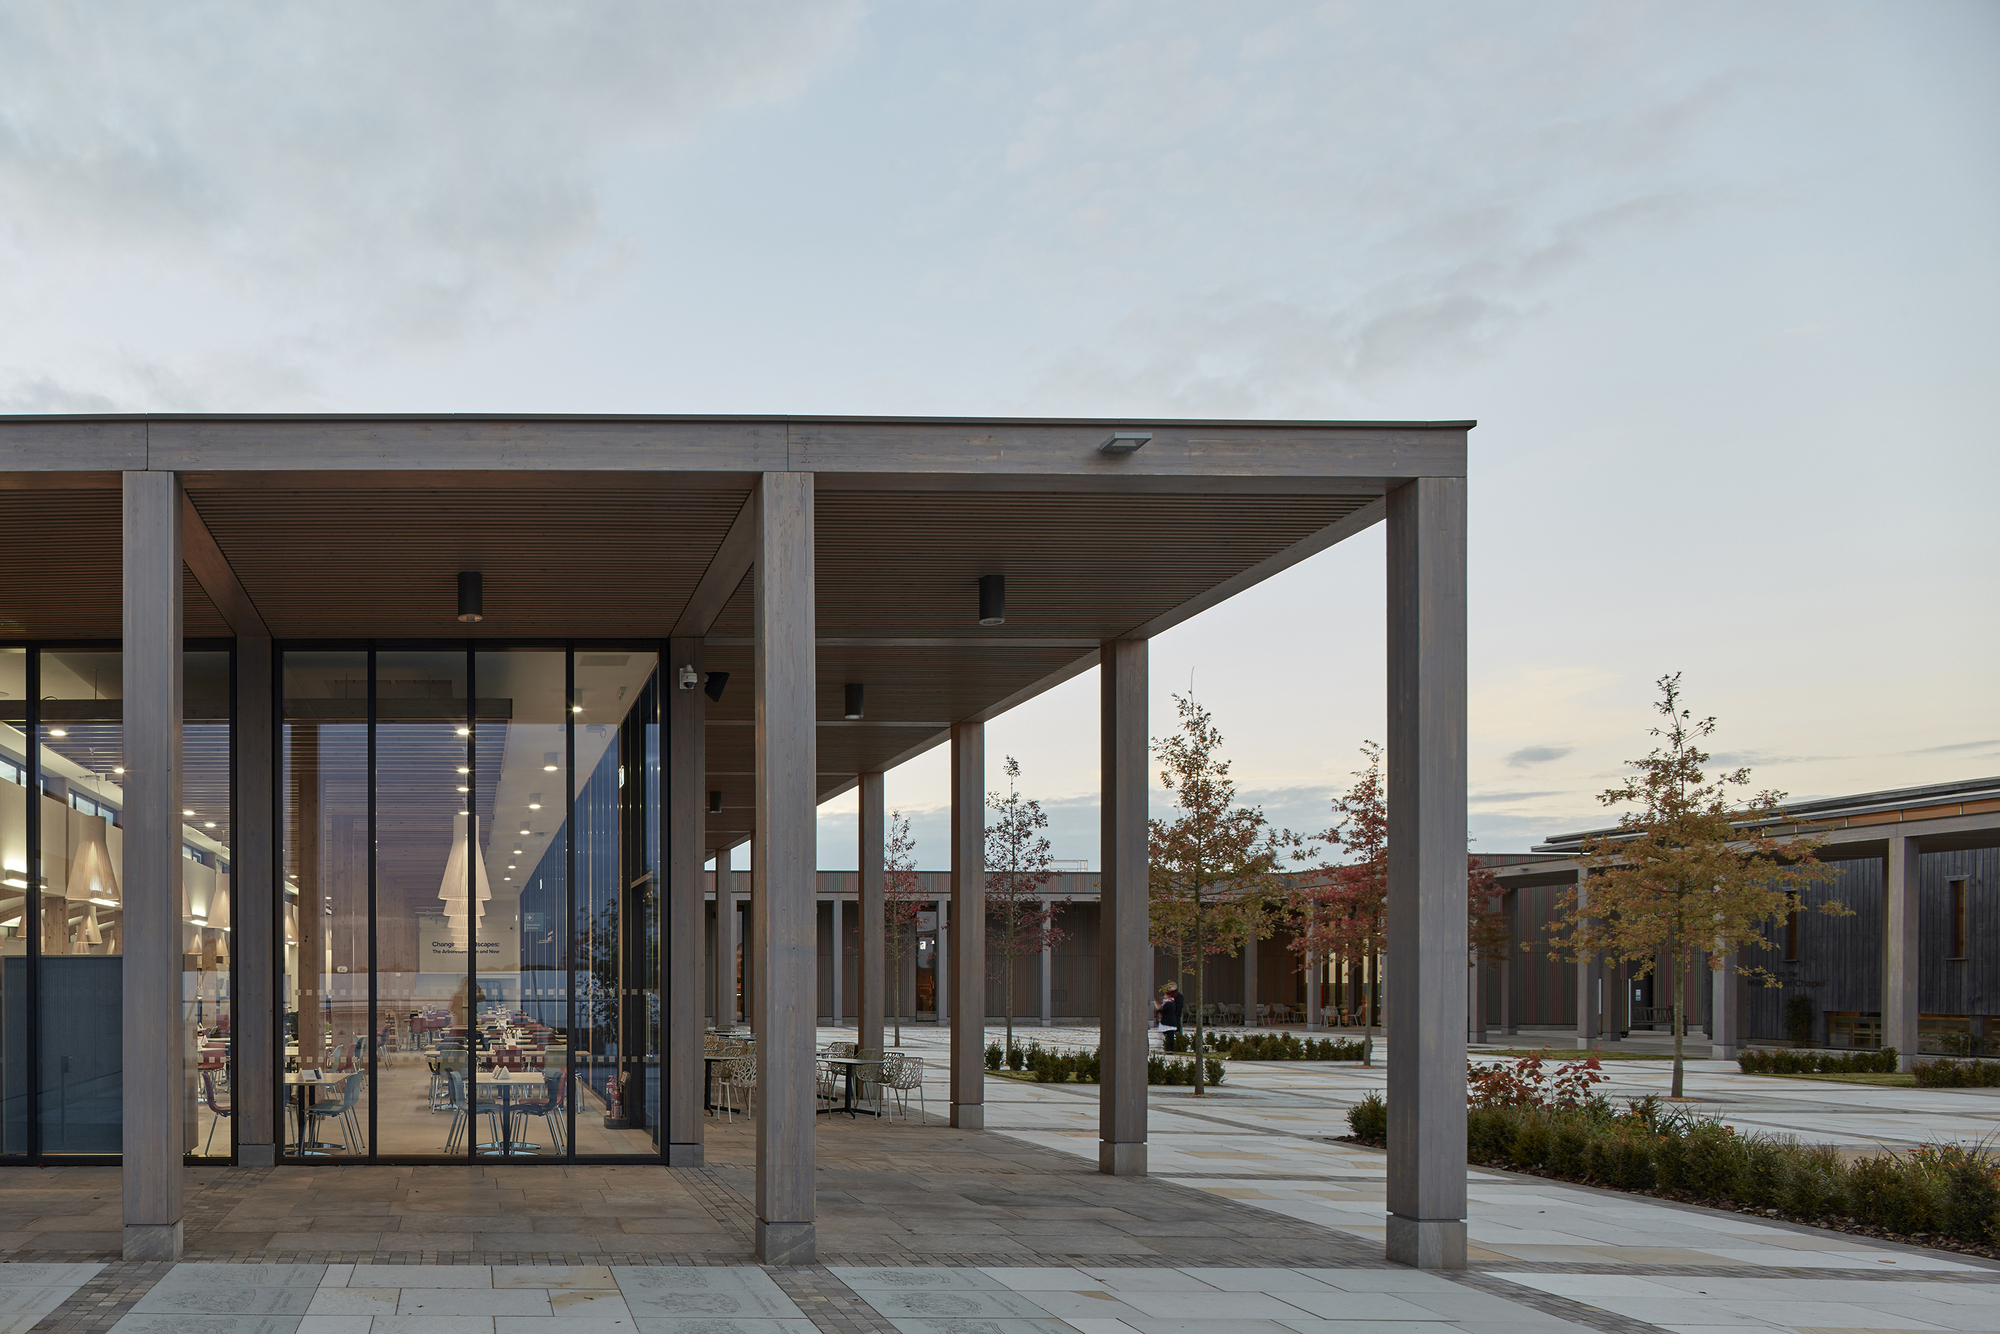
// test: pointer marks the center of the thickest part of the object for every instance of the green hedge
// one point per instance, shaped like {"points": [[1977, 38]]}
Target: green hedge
{"points": [[1086, 1067], [1288, 1047], [1946, 1189], [1767, 1061], [1950, 1074]]}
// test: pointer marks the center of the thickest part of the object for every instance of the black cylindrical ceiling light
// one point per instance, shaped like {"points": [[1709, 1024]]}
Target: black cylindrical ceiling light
{"points": [[717, 682], [993, 599], [470, 596], [715, 802], [853, 700]]}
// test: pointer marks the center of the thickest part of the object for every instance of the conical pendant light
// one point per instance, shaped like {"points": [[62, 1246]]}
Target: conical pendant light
{"points": [[91, 876], [453, 890]]}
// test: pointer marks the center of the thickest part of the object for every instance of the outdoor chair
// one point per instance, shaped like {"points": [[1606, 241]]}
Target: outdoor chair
{"points": [[740, 1073], [220, 1112], [840, 1049], [905, 1074], [462, 1112], [342, 1111]]}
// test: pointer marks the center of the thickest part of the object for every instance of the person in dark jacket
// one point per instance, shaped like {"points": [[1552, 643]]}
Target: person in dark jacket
{"points": [[1170, 1018]]}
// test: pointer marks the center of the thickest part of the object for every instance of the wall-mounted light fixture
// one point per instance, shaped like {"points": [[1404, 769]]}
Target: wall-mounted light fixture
{"points": [[717, 683], [1124, 442], [471, 596], [853, 700], [993, 599], [715, 802]]}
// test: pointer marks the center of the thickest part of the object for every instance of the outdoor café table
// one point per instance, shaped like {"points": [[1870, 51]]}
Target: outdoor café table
{"points": [[847, 1063], [299, 1081], [508, 1146]]}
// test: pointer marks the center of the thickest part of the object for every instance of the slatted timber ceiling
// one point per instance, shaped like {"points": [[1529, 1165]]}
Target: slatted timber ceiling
{"points": [[62, 568], [607, 561]]}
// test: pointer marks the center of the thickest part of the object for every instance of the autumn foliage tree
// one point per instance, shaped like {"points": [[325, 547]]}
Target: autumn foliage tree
{"points": [[1213, 866], [1341, 909], [1687, 873], [902, 904], [1019, 865]]}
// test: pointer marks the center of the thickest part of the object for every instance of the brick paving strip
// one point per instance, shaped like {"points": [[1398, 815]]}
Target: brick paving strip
{"points": [[829, 1303], [101, 1301]]}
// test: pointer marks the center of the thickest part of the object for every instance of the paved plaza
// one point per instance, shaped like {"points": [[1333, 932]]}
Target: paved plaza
{"points": [[1255, 1219]]}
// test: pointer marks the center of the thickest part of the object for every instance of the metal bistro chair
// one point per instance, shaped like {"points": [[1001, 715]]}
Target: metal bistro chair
{"points": [[549, 1107], [343, 1111], [905, 1074], [740, 1073], [840, 1049], [218, 1110], [462, 1113]]}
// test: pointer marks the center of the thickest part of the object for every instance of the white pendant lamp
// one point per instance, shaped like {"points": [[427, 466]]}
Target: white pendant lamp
{"points": [[91, 876], [453, 890]]}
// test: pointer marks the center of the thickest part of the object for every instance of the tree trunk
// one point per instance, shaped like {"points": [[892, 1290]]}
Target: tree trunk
{"points": [[1679, 983]]}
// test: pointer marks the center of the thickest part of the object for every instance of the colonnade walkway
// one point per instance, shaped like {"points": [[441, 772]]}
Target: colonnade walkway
{"points": [[1255, 1219]]}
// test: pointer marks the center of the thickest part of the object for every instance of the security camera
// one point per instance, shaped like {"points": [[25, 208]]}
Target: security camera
{"points": [[690, 678]]}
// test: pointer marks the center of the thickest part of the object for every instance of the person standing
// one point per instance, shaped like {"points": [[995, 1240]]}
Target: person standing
{"points": [[1170, 1018]]}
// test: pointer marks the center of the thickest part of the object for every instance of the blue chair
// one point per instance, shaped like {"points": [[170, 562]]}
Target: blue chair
{"points": [[215, 1108], [350, 1097]]}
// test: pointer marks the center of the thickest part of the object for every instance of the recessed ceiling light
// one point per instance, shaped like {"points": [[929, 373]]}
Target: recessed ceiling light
{"points": [[187, 812], [465, 731], [576, 708], [209, 825], [534, 805], [57, 731], [524, 833], [464, 789], [119, 769], [510, 866], [465, 768]]}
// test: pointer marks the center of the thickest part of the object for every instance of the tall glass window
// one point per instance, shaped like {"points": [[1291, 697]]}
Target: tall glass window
{"points": [[462, 978], [16, 1073], [206, 903]]}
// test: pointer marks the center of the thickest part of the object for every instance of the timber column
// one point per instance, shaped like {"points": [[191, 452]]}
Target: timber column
{"points": [[873, 952], [967, 974], [254, 910], [686, 739], [1125, 952], [1427, 870], [156, 1075], [1586, 973], [784, 904], [1899, 952]]}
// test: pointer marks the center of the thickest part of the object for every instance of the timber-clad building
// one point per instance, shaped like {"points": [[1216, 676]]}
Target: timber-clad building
{"points": [[358, 774]]}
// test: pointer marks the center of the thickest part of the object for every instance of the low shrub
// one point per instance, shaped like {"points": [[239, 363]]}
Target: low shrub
{"points": [[1767, 1061], [1369, 1119], [1884, 1192], [1533, 1139], [1489, 1133], [1950, 1074], [1016, 1057], [1288, 1047], [1815, 1182], [1968, 1187], [992, 1056], [1160, 1070]]}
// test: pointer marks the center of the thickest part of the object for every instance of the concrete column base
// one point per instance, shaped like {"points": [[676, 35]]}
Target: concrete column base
{"points": [[152, 1241], [684, 1155], [1121, 1160], [1720, 1051], [969, 1115], [793, 1243], [1582, 1043], [256, 1155], [1426, 1243]]}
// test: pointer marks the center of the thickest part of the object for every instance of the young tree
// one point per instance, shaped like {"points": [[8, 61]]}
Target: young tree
{"points": [[1213, 867], [902, 904], [1688, 872], [1019, 920], [1343, 909]]}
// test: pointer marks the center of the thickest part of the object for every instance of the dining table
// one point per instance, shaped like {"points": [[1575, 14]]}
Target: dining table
{"points": [[492, 1083], [848, 1064]]}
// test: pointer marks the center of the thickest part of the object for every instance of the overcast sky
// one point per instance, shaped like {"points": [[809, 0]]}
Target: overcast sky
{"points": [[1718, 280]]}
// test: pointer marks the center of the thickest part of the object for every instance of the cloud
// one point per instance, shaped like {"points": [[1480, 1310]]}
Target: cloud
{"points": [[372, 175], [1957, 745], [1736, 759], [1496, 798], [1528, 755]]}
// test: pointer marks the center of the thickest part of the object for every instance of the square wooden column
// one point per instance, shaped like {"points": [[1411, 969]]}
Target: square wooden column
{"points": [[1125, 952], [1250, 981], [1586, 975], [156, 1076], [1725, 1011], [1427, 873], [838, 981], [1899, 952], [254, 910], [722, 969], [873, 954], [784, 905], [686, 803], [967, 973]]}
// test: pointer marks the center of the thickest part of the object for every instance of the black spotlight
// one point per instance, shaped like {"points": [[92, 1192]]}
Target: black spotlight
{"points": [[853, 700], [470, 592], [993, 599], [717, 683], [715, 803]]}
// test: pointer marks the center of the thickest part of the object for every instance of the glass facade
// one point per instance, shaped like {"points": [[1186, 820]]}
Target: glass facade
{"points": [[62, 902], [470, 847]]}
